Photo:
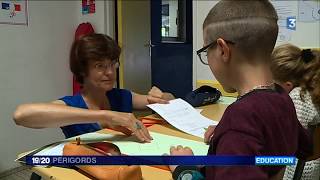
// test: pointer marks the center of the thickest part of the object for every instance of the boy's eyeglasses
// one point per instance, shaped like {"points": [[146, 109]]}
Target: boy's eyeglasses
{"points": [[203, 52], [101, 67]]}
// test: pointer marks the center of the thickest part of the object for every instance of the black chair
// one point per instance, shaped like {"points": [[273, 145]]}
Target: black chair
{"points": [[35, 176], [315, 130]]}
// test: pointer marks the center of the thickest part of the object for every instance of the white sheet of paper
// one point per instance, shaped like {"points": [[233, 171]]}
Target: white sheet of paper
{"points": [[183, 116], [52, 151]]}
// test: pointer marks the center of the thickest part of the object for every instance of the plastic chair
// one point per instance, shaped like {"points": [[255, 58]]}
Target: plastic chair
{"points": [[315, 130]]}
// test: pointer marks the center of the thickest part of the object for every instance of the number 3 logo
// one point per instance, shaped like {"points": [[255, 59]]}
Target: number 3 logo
{"points": [[291, 23]]}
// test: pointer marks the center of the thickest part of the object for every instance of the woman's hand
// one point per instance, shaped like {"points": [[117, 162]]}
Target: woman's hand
{"points": [[209, 134], [128, 124], [122, 129], [179, 151], [155, 95]]}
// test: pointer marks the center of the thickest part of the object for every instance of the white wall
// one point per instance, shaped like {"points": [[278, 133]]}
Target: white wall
{"points": [[306, 35], [102, 19], [200, 11], [34, 67], [109, 18]]}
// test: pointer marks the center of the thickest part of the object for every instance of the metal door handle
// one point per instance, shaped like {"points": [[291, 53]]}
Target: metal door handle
{"points": [[150, 45]]}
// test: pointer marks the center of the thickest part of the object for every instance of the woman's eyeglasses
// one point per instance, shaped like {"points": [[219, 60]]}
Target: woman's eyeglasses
{"points": [[101, 67]]}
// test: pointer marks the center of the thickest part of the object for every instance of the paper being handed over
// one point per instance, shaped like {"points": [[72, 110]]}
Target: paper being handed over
{"points": [[183, 116]]}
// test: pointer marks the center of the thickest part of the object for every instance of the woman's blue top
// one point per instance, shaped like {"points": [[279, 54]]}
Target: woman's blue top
{"points": [[119, 99]]}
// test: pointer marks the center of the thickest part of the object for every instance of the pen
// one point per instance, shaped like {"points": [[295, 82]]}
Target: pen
{"points": [[151, 119]]}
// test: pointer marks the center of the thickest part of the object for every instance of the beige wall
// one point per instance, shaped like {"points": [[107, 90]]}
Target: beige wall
{"points": [[136, 34]]}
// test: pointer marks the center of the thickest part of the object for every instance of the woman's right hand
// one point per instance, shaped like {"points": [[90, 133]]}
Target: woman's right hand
{"points": [[130, 122]]}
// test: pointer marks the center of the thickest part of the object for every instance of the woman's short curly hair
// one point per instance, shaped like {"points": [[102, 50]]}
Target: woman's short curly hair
{"points": [[93, 47]]}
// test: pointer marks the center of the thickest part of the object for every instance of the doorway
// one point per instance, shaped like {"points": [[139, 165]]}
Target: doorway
{"points": [[156, 41]]}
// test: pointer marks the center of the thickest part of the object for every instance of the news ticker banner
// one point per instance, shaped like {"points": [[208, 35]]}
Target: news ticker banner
{"points": [[160, 160]]}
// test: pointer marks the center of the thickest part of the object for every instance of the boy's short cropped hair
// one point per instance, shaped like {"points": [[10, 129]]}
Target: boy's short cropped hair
{"points": [[251, 25]]}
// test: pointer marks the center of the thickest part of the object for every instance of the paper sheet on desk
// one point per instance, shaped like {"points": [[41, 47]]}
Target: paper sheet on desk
{"points": [[159, 145], [226, 100], [183, 116]]}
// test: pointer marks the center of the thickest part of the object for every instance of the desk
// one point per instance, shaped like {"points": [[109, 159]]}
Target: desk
{"points": [[214, 112]]}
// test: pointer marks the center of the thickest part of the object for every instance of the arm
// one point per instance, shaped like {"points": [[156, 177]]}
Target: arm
{"points": [[184, 172], [57, 114], [246, 145], [54, 114], [305, 143], [197, 173], [155, 95]]}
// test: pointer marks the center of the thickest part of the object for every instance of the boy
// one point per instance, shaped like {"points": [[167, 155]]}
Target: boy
{"points": [[239, 37]]}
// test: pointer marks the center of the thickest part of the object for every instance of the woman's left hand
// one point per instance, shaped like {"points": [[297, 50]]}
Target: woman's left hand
{"points": [[155, 95]]}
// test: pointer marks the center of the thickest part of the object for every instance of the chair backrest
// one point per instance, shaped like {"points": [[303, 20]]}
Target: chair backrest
{"points": [[279, 175], [315, 130]]}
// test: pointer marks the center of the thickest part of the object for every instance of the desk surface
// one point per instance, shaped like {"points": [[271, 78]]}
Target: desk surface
{"points": [[214, 112]]}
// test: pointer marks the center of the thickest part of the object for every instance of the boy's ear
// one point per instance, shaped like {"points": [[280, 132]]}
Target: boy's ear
{"points": [[224, 49]]}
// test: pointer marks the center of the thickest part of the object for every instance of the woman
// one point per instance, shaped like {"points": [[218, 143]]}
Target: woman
{"points": [[93, 61]]}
